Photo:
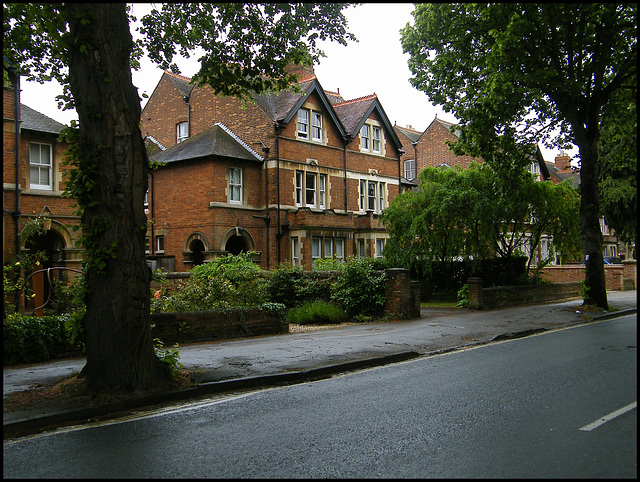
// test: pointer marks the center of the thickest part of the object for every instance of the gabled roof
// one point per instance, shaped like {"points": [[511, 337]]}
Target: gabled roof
{"points": [[182, 83], [413, 135], [354, 113], [216, 141], [284, 105], [33, 120], [566, 175]]}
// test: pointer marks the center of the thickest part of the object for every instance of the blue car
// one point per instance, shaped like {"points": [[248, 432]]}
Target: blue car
{"points": [[609, 260]]}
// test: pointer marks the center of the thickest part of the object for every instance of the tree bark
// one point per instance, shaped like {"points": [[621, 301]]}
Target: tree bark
{"points": [[120, 354], [590, 232]]}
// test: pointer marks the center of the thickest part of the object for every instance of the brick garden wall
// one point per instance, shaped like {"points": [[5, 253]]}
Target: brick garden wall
{"points": [[491, 298], [618, 277]]}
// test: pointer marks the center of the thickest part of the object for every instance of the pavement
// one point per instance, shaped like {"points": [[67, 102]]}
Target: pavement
{"points": [[234, 365]]}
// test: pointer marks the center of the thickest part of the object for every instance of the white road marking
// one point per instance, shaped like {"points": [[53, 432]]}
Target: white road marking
{"points": [[606, 418]]}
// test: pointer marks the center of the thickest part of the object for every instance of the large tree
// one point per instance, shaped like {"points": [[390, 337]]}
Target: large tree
{"points": [[477, 213], [523, 71], [89, 49]]}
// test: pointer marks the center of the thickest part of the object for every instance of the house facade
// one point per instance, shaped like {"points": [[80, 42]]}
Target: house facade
{"points": [[33, 183], [295, 176]]}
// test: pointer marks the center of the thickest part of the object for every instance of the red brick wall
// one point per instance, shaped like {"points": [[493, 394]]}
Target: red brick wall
{"points": [[206, 183], [32, 201], [614, 274], [432, 150]]}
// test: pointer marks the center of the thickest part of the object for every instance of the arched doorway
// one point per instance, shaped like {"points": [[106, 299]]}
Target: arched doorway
{"points": [[48, 249], [236, 245], [197, 251]]}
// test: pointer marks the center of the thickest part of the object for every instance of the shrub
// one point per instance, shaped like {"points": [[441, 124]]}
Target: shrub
{"points": [[463, 297], [359, 289], [221, 283], [316, 312], [29, 339], [292, 286]]}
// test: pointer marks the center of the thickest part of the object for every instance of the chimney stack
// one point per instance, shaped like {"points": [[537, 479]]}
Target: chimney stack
{"points": [[563, 161]]}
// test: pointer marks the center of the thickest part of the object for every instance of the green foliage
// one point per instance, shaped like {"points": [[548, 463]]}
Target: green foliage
{"points": [[224, 282], [514, 75], [291, 286], [169, 358], [477, 213], [252, 55], [316, 312], [328, 264], [618, 156], [359, 290], [463, 296], [30, 339]]}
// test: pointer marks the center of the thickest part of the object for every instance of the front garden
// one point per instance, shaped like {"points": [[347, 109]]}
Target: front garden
{"points": [[332, 293]]}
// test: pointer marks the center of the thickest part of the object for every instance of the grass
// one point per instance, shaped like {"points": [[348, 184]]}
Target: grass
{"points": [[438, 304]]}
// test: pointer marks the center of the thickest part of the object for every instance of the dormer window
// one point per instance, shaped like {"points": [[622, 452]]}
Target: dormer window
{"points": [[316, 129], [365, 138], [182, 132], [377, 139], [303, 124], [371, 139], [310, 125]]}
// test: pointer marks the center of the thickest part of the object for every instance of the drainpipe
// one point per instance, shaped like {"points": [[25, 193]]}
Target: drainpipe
{"points": [[16, 213], [266, 217], [278, 129], [345, 141], [186, 101], [152, 245]]}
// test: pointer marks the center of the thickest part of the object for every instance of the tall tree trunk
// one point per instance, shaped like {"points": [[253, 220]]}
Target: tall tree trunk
{"points": [[120, 354], [590, 232]]}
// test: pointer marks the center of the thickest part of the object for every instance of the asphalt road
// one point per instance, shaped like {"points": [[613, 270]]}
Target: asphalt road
{"points": [[558, 404]]}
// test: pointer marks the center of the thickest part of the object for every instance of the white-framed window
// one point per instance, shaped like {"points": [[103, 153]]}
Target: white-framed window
{"points": [[340, 249], [379, 247], [376, 142], [365, 138], [40, 166], [371, 195], [315, 248], [534, 168], [235, 185], [361, 248], [310, 125], [322, 191], [328, 247], [310, 189], [316, 128], [159, 244], [295, 251], [410, 169], [182, 132], [371, 138], [303, 124], [146, 199], [299, 187]]}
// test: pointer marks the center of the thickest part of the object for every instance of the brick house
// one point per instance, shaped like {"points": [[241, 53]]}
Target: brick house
{"points": [[294, 176], [40, 184], [429, 149], [561, 170]]}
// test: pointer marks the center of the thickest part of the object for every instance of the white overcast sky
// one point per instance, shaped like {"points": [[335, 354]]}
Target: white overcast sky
{"points": [[375, 64]]}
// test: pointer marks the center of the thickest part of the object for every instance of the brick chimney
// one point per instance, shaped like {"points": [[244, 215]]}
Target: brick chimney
{"points": [[302, 72], [563, 161]]}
